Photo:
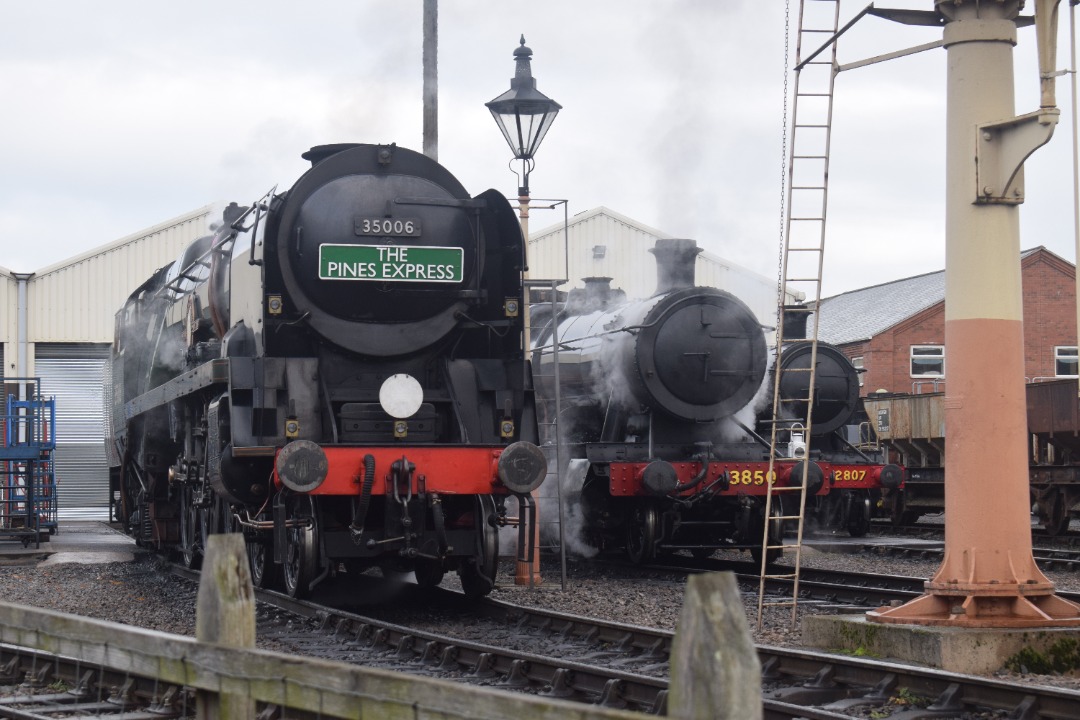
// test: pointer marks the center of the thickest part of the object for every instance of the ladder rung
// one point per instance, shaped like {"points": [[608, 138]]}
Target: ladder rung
{"points": [[809, 157], [781, 577], [787, 517], [810, 125], [813, 94], [779, 603], [817, 280]]}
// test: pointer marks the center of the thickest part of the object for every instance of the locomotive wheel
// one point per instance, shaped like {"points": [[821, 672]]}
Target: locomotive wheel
{"points": [[429, 573], [859, 518], [300, 559], [265, 573], [478, 573], [1056, 520], [190, 554], [641, 534], [203, 522], [776, 536]]}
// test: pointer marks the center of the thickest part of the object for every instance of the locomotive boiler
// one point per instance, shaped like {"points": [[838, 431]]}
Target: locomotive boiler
{"points": [[662, 400], [338, 373]]}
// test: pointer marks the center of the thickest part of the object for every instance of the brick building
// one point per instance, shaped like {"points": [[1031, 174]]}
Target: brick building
{"points": [[896, 331]]}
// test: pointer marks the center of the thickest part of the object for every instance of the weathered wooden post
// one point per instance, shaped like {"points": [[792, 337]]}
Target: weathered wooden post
{"points": [[225, 615], [715, 672]]}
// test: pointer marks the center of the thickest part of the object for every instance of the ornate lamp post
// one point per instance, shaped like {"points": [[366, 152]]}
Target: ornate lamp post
{"points": [[524, 115]]}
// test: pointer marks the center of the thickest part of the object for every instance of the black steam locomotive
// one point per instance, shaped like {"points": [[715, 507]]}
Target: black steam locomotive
{"points": [[667, 403], [338, 373]]}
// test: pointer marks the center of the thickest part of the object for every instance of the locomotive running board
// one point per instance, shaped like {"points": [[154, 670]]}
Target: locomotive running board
{"points": [[215, 372]]}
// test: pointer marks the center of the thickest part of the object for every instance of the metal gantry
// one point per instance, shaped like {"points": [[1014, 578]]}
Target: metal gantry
{"points": [[802, 258]]}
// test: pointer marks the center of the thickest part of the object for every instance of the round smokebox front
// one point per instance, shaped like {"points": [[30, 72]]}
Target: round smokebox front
{"points": [[701, 354], [354, 243]]}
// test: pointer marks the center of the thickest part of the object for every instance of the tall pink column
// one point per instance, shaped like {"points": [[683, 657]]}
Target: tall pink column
{"points": [[988, 577]]}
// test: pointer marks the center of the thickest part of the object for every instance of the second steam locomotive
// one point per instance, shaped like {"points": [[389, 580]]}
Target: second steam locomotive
{"points": [[664, 401], [337, 372]]}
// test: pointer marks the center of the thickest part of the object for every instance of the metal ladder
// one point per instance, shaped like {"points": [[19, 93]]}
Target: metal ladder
{"points": [[802, 257]]}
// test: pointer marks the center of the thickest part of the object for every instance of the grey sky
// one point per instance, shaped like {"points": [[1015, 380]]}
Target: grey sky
{"points": [[124, 114]]}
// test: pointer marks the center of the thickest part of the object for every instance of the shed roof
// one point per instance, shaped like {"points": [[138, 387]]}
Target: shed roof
{"points": [[862, 314]]}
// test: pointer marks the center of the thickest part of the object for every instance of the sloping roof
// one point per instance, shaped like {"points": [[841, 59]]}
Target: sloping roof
{"points": [[588, 215], [862, 314], [603, 211], [115, 244]]}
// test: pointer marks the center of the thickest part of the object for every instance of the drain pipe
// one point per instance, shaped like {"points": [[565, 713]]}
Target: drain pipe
{"points": [[21, 355]]}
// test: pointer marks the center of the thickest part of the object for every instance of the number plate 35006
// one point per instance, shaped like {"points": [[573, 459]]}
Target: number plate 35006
{"points": [[386, 227]]}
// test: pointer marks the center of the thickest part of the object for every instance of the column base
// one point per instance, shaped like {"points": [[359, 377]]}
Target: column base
{"points": [[973, 608]]}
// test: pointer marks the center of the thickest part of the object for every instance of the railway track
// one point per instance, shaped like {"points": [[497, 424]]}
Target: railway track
{"points": [[39, 686], [571, 657], [593, 661], [1047, 558]]}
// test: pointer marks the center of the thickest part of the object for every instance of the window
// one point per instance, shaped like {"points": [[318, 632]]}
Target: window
{"points": [[860, 368], [1065, 361], [927, 361], [599, 251]]}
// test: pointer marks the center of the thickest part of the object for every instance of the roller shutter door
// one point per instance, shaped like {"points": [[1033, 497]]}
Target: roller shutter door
{"points": [[76, 375]]}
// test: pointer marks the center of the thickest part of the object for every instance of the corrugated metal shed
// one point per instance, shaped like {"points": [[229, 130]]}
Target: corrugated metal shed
{"points": [[75, 301], [603, 243]]}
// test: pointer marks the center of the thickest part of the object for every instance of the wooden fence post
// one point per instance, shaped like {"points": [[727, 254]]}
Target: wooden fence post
{"points": [[225, 615], [715, 671]]}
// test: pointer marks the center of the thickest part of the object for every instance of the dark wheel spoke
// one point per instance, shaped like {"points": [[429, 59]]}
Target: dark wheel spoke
{"points": [[264, 572], [641, 534], [189, 531], [300, 556], [776, 534], [478, 573]]}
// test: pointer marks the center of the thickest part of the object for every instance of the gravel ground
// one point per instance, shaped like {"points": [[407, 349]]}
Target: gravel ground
{"points": [[142, 593]]}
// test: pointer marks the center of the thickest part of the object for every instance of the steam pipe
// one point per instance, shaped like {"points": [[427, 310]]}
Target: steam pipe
{"points": [[703, 457]]}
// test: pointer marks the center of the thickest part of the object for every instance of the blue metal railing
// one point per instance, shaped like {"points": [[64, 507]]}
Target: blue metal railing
{"points": [[27, 471]]}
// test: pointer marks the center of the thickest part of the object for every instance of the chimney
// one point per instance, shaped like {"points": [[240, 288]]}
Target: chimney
{"points": [[594, 296], [675, 260], [795, 317]]}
